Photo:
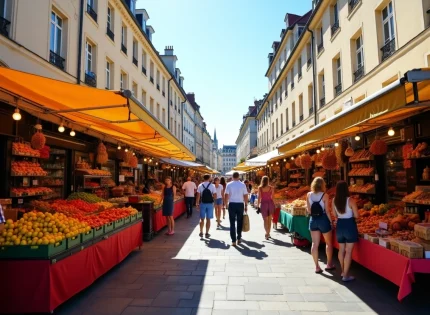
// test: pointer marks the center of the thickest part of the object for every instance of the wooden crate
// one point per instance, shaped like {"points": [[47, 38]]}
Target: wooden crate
{"points": [[425, 244], [372, 237], [385, 242], [422, 230], [298, 211], [411, 249], [394, 245]]}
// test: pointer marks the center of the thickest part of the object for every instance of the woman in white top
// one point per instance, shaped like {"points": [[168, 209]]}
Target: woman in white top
{"points": [[219, 202], [346, 228], [320, 222]]}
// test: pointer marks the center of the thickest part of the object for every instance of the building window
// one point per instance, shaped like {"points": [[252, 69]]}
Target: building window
{"points": [[277, 135], [5, 14], [164, 117], [158, 79], [90, 77], [134, 89], [91, 9], [151, 105], [135, 46], [310, 99], [338, 77], [299, 67], [144, 98], [143, 62], [56, 41], [158, 111], [359, 59], [108, 75], [123, 81], [301, 117], [163, 86], [124, 39], [320, 35], [151, 72], [322, 90], [109, 24], [282, 124], [335, 22], [292, 79], [293, 107], [388, 31]]}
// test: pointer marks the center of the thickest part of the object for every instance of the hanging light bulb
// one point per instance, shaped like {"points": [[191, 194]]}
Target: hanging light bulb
{"points": [[357, 138], [285, 160], [277, 163], [150, 160], [156, 163], [292, 158], [16, 115], [72, 133], [119, 146], [126, 149], [391, 132], [336, 144], [134, 154], [61, 128], [322, 148], [318, 151]]}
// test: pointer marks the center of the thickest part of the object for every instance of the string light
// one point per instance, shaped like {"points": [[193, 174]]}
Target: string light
{"points": [[292, 158], [16, 115], [61, 128], [72, 133], [126, 150], [391, 132], [357, 138], [119, 146], [322, 148], [318, 151], [336, 144]]}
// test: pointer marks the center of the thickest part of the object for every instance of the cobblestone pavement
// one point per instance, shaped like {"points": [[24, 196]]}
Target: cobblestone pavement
{"points": [[188, 275]]}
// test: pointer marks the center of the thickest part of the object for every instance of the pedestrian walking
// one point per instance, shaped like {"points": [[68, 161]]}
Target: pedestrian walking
{"points": [[320, 222], [346, 227], [236, 196], [219, 202], [168, 196], [266, 204], [206, 192], [224, 185], [190, 190], [246, 182]]}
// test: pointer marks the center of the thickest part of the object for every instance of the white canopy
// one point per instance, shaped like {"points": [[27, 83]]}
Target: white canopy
{"points": [[233, 171], [261, 160]]}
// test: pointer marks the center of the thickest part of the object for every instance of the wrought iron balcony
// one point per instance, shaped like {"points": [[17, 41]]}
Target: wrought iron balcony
{"points": [[320, 47], [334, 28], [311, 110], [322, 102], [4, 26], [56, 60], [388, 49], [144, 70], [294, 123], [135, 61], [92, 12], [359, 73], [300, 75], [309, 62], [352, 4], [292, 86], [338, 89], [91, 79], [158, 87], [110, 34], [301, 117], [123, 48], [151, 79]]}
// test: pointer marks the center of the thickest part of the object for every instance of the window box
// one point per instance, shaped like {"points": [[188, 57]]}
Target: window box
{"points": [[300, 75], [292, 86], [56, 60], [92, 12], [311, 110], [309, 62], [334, 28], [359, 73], [91, 79], [338, 89], [320, 48], [301, 117], [388, 49], [352, 4]]}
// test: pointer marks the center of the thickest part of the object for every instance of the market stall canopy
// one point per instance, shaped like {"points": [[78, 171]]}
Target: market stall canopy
{"points": [[243, 167], [261, 160], [391, 104], [233, 171], [188, 164], [107, 112]]}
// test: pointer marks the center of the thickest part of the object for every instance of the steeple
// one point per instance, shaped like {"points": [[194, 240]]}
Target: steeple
{"points": [[215, 135], [215, 143]]}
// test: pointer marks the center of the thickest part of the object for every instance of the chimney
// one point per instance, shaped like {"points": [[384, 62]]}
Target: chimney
{"points": [[191, 97], [169, 59], [181, 81], [168, 50]]}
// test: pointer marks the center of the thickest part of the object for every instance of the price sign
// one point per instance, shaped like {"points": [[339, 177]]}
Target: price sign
{"points": [[121, 178], [35, 182], [383, 225], [20, 201]]}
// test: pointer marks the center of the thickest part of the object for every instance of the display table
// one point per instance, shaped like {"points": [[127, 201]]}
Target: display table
{"points": [[159, 221], [40, 286], [394, 267], [299, 224]]}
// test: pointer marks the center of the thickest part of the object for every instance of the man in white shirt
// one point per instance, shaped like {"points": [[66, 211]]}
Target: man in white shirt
{"points": [[190, 190], [236, 196], [207, 193]]}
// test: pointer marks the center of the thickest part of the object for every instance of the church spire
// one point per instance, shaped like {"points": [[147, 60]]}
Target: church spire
{"points": [[215, 134]]}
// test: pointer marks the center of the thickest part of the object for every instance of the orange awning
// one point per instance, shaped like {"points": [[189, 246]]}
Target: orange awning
{"points": [[106, 112]]}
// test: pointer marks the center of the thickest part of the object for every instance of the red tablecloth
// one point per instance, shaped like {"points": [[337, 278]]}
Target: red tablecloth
{"points": [[394, 267], [37, 286], [159, 222]]}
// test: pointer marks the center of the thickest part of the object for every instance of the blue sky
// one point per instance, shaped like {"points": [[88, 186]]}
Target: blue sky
{"points": [[222, 48]]}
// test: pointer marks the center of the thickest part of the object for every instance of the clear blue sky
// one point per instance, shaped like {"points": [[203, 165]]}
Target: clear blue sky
{"points": [[222, 48]]}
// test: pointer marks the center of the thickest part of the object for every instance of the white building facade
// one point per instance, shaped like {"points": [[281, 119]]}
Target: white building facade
{"points": [[228, 157], [247, 139]]}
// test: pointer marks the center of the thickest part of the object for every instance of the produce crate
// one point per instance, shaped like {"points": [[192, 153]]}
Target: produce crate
{"points": [[385, 242], [118, 223], [422, 230], [108, 227], [127, 220], [298, 211], [411, 249], [372, 237], [87, 236], [423, 243], [32, 251], [73, 241], [133, 217], [139, 215], [395, 246], [99, 231]]}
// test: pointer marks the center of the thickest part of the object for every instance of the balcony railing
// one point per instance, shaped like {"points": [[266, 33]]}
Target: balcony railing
{"points": [[286, 93], [338, 89], [123, 48], [135, 61], [158, 87], [163, 93], [334, 28], [292, 86], [301, 117], [151, 79], [110, 34], [352, 4], [92, 12], [294, 123], [91, 79], [311, 110], [309, 62], [56, 60], [320, 47], [143, 70], [388, 49], [322, 102], [300, 75], [359, 73], [4, 26]]}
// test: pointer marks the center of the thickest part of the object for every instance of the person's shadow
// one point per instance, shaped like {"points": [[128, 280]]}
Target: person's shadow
{"points": [[212, 243], [248, 252], [279, 242], [253, 244]]}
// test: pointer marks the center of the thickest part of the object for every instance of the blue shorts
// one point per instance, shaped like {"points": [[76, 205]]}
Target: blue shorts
{"points": [[218, 202], [206, 210], [321, 224], [346, 231]]}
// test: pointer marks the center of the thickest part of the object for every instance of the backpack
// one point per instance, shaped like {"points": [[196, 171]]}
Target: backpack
{"points": [[316, 208], [207, 196]]}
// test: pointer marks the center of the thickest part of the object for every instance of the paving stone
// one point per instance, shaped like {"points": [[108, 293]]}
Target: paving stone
{"points": [[343, 307], [317, 297], [173, 287], [207, 287], [108, 306], [308, 306], [263, 288], [314, 289], [229, 312], [216, 280], [201, 311], [184, 279], [237, 280], [141, 302], [171, 298], [134, 310], [220, 296], [263, 312], [235, 293], [274, 306], [236, 305]]}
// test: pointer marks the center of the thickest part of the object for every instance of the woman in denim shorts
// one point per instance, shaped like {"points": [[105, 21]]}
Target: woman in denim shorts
{"points": [[320, 224]]}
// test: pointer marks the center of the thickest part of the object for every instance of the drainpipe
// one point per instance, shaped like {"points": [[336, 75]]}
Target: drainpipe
{"points": [[168, 102], [81, 35], [314, 74], [182, 119]]}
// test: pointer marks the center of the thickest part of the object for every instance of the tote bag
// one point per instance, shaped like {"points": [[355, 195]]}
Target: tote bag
{"points": [[246, 225]]}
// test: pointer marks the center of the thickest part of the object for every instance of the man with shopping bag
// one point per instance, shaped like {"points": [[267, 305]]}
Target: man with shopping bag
{"points": [[236, 196]]}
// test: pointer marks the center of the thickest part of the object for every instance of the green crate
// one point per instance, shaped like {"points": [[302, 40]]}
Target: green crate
{"points": [[73, 241], [108, 227], [127, 220], [118, 223], [32, 251], [133, 217], [139, 215], [87, 236], [99, 231]]}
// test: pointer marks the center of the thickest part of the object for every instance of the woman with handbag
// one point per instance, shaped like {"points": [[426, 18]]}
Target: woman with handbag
{"points": [[320, 222], [266, 204]]}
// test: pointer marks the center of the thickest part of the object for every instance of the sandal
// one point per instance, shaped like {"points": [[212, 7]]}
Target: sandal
{"points": [[328, 268], [348, 279], [207, 235], [201, 234], [167, 233], [239, 241], [171, 233], [319, 270], [266, 237], [233, 244]]}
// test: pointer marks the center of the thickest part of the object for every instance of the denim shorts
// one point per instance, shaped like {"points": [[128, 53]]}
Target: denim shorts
{"points": [[218, 202], [320, 223], [346, 231], [206, 210]]}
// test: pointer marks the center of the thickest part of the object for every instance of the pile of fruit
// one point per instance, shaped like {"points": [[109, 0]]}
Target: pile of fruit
{"points": [[90, 198], [294, 185], [95, 172], [361, 155], [31, 191], [296, 175], [19, 148], [420, 197], [318, 174], [89, 183], [38, 228], [360, 171], [421, 150], [368, 188], [104, 205], [52, 182], [127, 173], [80, 204], [40, 205], [26, 168]]}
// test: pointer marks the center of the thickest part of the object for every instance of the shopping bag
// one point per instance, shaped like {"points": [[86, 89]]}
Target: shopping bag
{"points": [[245, 226]]}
